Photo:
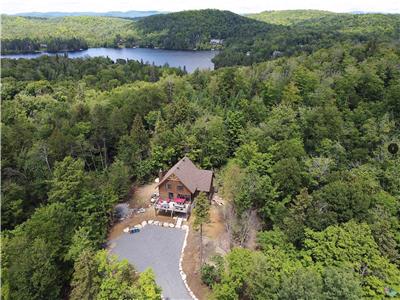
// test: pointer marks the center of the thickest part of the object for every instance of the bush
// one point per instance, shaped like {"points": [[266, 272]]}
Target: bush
{"points": [[211, 273]]}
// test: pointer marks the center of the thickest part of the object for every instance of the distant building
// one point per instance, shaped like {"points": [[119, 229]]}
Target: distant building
{"points": [[179, 186], [277, 53], [216, 41]]}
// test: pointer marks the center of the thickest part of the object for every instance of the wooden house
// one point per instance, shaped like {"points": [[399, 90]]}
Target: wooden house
{"points": [[180, 185]]}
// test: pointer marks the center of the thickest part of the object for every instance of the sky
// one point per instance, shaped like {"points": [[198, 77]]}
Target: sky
{"points": [[237, 6]]}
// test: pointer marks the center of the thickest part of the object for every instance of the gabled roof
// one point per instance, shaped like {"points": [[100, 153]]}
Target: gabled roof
{"points": [[192, 178]]}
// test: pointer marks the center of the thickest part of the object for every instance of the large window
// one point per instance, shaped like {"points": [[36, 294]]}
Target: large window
{"points": [[180, 187]]}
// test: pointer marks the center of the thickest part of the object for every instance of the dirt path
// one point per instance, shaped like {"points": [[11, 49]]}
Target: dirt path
{"points": [[215, 241], [141, 195]]}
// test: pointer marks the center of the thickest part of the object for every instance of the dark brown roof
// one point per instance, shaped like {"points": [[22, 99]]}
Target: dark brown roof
{"points": [[192, 178]]}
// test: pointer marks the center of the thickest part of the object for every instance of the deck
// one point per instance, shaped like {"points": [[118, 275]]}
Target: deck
{"points": [[171, 206]]}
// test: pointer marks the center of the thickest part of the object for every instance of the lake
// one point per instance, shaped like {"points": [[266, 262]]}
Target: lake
{"points": [[175, 58]]}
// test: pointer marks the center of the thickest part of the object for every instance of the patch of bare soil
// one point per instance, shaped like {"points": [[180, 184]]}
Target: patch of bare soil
{"points": [[135, 219], [140, 198], [141, 195], [215, 241]]}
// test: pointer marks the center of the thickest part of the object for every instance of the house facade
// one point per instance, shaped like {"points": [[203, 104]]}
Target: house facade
{"points": [[179, 186]]}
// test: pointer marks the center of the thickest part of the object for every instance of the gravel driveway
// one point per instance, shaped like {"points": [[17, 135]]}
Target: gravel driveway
{"points": [[158, 248]]}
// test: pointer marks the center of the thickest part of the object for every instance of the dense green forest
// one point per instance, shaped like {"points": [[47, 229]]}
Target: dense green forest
{"points": [[245, 40], [300, 141], [194, 29], [297, 137], [27, 34], [289, 17]]}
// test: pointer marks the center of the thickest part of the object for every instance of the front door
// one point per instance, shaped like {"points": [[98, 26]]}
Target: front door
{"points": [[171, 196]]}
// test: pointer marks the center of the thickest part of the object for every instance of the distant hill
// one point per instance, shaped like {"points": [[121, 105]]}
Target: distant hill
{"points": [[25, 34], [117, 14], [195, 28], [242, 40], [289, 17]]}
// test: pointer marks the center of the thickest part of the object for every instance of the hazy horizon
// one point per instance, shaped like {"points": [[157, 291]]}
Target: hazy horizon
{"points": [[249, 6]]}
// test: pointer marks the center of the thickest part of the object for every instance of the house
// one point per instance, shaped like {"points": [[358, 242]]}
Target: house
{"points": [[216, 41], [179, 186]]}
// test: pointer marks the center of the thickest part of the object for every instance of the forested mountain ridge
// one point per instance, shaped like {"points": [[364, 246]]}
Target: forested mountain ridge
{"points": [[21, 34], [300, 141], [310, 35], [243, 40], [194, 29], [289, 17], [117, 14]]}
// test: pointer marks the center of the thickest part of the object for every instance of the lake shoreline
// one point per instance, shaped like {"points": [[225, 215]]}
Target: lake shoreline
{"points": [[190, 60], [77, 50]]}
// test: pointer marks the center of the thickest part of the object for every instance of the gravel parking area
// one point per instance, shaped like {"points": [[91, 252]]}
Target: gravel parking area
{"points": [[158, 248]]}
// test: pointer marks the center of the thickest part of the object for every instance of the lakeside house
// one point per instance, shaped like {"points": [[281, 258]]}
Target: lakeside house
{"points": [[216, 41], [179, 186]]}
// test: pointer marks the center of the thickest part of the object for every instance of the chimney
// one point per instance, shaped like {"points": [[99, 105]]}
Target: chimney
{"points": [[160, 175]]}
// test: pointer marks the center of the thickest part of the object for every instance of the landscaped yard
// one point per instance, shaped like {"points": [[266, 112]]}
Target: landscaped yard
{"points": [[158, 248]]}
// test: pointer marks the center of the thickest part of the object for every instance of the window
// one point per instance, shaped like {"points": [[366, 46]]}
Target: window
{"points": [[186, 197], [180, 187], [168, 186]]}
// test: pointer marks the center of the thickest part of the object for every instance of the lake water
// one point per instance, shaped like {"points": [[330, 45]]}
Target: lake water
{"points": [[175, 58]]}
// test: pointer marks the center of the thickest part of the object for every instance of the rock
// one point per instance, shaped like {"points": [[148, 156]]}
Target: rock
{"points": [[183, 276], [144, 223], [126, 230], [150, 221], [138, 226], [156, 222], [171, 225], [166, 224]]}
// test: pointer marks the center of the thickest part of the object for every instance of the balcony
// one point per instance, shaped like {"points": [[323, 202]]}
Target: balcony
{"points": [[173, 205]]}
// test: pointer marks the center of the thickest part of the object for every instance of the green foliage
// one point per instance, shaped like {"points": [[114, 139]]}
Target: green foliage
{"points": [[352, 245], [148, 287], [118, 178], [341, 284], [32, 271], [201, 212], [298, 142], [194, 29], [34, 256], [289, 17], [245, 40], [101, 276], [94, 31], [85, 282], [303, 284], [211, 272], [67, 181]]}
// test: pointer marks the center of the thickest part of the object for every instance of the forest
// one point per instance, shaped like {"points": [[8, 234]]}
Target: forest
{"points": [[300, 141], [29, 34], [290, 17], [245, 39]]}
